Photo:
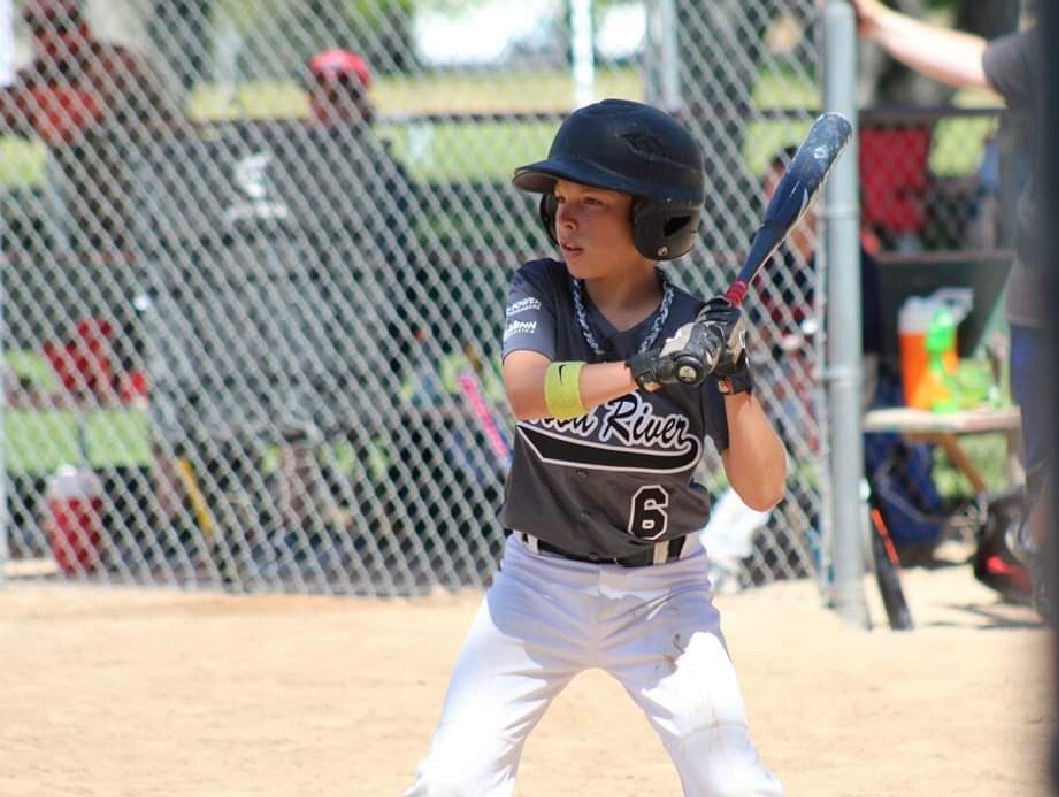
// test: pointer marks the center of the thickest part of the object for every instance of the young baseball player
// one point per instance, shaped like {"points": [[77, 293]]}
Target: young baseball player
{"points": [[607, 367]]}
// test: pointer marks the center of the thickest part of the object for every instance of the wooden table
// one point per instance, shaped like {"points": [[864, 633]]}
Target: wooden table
{"points": [[946, 428]]}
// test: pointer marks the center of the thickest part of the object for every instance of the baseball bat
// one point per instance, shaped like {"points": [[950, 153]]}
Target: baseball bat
{"points": [[797, 191], [472, 391]]}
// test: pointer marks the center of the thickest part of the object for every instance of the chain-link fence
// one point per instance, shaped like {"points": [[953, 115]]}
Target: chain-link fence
{"points": [[252, 313]]}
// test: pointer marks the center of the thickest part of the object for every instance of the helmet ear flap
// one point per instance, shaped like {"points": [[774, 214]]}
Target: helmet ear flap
{"points": [[547, 210], [665, 231], [660, 231]]}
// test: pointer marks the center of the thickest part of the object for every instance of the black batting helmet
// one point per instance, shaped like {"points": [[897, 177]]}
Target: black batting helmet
{"points": [[634, 148]]}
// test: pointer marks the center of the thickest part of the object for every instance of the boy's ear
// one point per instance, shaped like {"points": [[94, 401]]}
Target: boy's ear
{"points": [[547, 211]]}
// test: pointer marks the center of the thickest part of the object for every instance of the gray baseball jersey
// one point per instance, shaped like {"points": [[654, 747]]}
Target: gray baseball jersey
{"points": [[620, 477]]}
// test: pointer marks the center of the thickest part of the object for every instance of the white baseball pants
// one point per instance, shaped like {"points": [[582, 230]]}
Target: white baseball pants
{"points": [[544, 620]]}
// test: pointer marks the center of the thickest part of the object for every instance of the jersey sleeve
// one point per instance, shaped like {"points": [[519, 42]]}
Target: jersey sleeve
{"points": [[529, 318], [1010, 67]]}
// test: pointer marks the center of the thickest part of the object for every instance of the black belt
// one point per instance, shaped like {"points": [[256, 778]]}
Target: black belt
{"points": [[674, 548]]}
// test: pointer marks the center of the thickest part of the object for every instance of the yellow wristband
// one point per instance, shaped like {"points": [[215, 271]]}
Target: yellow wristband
{"points": [[562, 390]]}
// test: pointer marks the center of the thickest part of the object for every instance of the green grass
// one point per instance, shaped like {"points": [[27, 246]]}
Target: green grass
{"points": [[958, 145], [767, 137], [550, 91], [461, 151], [254, 100], [987, 452], [487, 151], [39, 441], [21, 163], [32, 368]]}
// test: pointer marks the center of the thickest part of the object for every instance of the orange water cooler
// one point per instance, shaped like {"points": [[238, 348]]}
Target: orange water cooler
{"points": [[922, 387]]}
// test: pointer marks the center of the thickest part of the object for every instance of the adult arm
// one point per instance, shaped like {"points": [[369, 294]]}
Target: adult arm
{"points": [[949, 56]]}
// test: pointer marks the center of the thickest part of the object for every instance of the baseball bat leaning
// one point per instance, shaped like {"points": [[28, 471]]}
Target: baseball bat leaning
{"points": [[797, 191]]}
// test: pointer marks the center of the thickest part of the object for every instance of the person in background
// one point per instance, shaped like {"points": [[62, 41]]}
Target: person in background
{"points": [[88, 100], [787, 288], [1009, 66], [439, 379], [359, 222], [362, 229], [348, 155]]}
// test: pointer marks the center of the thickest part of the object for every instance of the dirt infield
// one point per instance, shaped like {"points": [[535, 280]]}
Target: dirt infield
{"points": [[128, 692]]}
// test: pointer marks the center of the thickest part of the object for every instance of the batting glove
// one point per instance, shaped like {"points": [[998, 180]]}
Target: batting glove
{"points": [[681, 360]]}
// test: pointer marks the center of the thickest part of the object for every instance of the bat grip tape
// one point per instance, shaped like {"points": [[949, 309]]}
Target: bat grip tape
{"points": [[736, 292]]}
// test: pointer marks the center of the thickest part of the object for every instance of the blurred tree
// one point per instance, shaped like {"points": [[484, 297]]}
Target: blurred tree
{"points": [[280, 35], [724, 50], [722, 53], [394, 49], [182, 31], [380, 30], [447, 6]]}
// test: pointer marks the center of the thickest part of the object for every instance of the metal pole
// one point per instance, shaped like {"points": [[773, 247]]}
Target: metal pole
{"points": [[662, 72], [7, 75], [843, 312], [1048, 170], [584, 67], [7, 43], [670, 73]]}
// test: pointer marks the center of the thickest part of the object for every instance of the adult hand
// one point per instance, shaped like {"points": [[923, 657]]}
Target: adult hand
{"points": [[869, 13]]}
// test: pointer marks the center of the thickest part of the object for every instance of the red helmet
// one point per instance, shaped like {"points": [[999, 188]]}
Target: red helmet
{"points": [[333, 65], [60, 16]]}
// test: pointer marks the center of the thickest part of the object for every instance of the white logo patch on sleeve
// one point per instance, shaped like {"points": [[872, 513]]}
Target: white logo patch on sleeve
{"points": [[523, 306], [519, 328]]}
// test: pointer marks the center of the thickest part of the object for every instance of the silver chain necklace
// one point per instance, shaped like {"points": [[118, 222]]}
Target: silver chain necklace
{"points": [[653, 333]]}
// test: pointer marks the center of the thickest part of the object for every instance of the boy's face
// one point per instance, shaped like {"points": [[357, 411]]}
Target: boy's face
{"points": [[594, 229]]}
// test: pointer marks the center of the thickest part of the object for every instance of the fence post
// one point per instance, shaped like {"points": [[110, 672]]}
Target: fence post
{"points": [[7, 76], [661, 68], [844, 346], [584, 66]]}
